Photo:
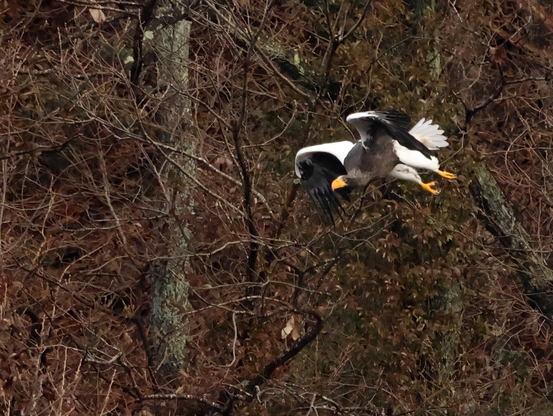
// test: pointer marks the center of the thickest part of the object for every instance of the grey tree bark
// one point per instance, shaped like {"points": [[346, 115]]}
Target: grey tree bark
{"points": [[167, 37], [501, 220]]}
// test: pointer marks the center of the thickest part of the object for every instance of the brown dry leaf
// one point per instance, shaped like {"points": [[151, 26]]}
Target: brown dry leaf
{"points": [[127, 339], [291, 329], [498, 55], [288, 328], [98, 15], [295, 331]]}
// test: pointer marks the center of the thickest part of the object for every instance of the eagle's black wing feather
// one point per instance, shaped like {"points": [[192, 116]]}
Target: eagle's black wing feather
{"points": [[317, 173], [405, 138], [396, 124], [395, 118]]}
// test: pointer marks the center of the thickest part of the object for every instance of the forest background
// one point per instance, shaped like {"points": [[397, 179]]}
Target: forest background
{"points": [[159, 257]]}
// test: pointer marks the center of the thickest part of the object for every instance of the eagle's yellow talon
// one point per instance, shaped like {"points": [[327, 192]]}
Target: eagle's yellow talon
{"points": [[446, 175], [429, 187]]}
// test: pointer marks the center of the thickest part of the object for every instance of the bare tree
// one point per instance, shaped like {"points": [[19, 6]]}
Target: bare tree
{"points": [[163, 34]]}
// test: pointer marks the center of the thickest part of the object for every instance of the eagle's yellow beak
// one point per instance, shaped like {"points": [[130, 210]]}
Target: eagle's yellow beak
{"points": [[338, 183]]}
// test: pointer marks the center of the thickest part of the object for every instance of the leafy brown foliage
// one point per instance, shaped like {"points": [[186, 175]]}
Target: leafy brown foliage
{"points": [[423, 307]]}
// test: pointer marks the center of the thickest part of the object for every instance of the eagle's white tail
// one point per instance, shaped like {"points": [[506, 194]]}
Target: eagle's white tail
{"points": [[431, 135]]}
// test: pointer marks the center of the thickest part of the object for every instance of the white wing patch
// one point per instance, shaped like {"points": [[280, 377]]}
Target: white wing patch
{"points": [[414, 158], [359, 120], [338, 149], [352, 118]]}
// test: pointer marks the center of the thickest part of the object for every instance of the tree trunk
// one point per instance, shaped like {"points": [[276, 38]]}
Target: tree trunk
{"points": [[501, 220], [168, 325]]}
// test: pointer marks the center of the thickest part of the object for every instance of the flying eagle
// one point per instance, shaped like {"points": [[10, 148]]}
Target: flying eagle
{"points": [[387, 148]]}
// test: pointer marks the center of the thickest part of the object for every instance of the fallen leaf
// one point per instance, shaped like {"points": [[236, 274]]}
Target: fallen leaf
{"points": [[97, 15], [291, 329]]}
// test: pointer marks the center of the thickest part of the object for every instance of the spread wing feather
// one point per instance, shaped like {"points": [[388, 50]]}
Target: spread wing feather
{"points": [[318, 171], [394, 123], [393, 117]]}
